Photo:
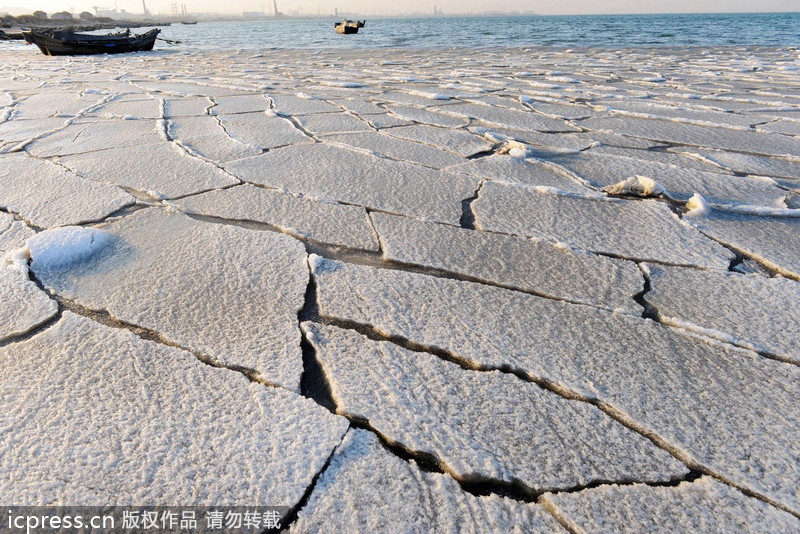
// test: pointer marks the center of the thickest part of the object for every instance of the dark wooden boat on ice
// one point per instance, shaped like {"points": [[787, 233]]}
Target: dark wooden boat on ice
{"points": [[68, 43], [348, 26]]}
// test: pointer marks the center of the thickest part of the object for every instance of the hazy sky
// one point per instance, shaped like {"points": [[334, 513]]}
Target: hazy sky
{"points": [[408, 6]]}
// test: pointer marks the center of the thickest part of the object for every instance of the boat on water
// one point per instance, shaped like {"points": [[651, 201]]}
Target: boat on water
{"points": [[68, 43], [348, 26]]}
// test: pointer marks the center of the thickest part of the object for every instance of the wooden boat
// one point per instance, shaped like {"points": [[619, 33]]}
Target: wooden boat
{"points": [[68, 43], [348, 26]]}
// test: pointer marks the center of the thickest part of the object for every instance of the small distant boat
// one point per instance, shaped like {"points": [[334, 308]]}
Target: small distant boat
{"points": [[68, 43], [348, 26]]}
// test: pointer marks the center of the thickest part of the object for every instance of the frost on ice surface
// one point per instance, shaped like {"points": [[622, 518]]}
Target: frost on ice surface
{"points": [[751, 311], [324, 222], [530, 265], [773, 241], [481, 425], [24, 305], [225, 292], [725, 408], [704, 505], [120, 420], [84, 136], [633, 229], [367, 489], [61, 248], [48, 195], [459, 141], [332, 123], [259, 131], [322, 171]]}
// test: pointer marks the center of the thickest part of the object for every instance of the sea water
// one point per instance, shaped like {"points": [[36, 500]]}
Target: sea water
{"points": [[624, 31]]}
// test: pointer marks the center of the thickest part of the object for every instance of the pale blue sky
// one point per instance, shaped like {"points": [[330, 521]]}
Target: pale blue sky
{"points": [[368, 7]]}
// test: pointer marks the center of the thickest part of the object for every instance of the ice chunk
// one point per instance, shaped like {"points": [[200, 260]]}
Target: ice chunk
{"points": [[323, 171], [723, 408], [751, 311], [697, 207], [773, 241], [427, 116], [633, 229], [225, 292], [509, 118], [48, 195], [13, 233], [704, 505], [123, 420], [228, 105], [324, 222], [535, 266], [473, 422], [162, 168], [297, 104], [365, 489], [641, 186]]}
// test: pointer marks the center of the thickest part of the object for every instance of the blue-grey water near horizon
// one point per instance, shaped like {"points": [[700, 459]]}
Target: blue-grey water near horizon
{"points": [[625, 31], [771, 29]]}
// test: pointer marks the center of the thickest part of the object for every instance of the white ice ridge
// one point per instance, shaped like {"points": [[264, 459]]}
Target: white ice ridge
{"points": [[475, 423], [705, 505], [121, 420], [367, 489], [225, 292], [729, 410]]}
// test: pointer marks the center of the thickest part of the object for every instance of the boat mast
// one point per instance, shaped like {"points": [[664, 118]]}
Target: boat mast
{"points": [[144, 6]]}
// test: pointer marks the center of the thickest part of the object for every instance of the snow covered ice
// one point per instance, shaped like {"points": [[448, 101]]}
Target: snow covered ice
{"points": [[517, 290]]}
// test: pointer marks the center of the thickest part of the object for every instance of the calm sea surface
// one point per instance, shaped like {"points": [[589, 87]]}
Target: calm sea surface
{"points": [[574, 31], [623, 31]]}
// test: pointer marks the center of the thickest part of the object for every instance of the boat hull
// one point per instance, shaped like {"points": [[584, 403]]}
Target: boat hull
{"points": [[73, 44]]}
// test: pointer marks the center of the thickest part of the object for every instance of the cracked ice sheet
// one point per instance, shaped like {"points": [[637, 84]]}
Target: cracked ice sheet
{"points": [[90, 136], [481, 425], [13, 233], [727, 409], [226, 292], [528, 171], [680, 183], [460, 142], [773, 241], [161, 169], [750, 164], [366, 488], [321, 171], [332, 123], [48, 195], [381, 144], [261, 131], [121, 420], [25, 306], [749, 310], [634, 229], [535, 266], [704, 505], [509, 118], [324, 222], [703, 136]]}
